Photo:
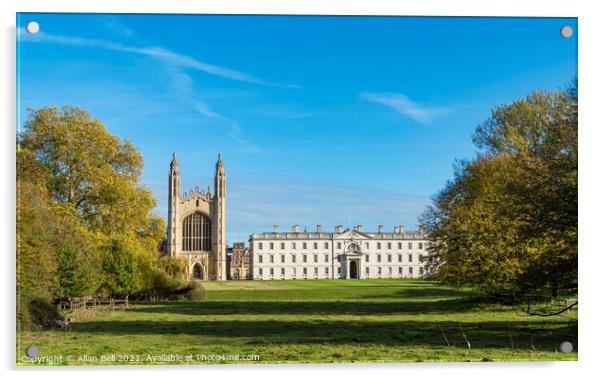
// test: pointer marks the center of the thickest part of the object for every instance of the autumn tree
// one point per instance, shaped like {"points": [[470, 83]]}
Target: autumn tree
{"points": [[84, 222], [54, 259], [88, 180], [89, 168], [36, 260], [508, 219]]}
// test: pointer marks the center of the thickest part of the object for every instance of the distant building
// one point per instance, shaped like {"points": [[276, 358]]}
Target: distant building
{"points": [[240, 262], [342, 254]]}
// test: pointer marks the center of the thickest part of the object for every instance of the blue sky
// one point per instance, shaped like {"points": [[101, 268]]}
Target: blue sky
{"points": [[320, 120]]}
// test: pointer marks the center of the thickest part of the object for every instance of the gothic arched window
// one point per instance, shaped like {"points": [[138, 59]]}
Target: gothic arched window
{"points": [[196, 233]]}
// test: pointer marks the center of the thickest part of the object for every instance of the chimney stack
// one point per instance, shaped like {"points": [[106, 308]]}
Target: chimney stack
{"points": [[318, 228], [421, 229], [401, 229], [358, 228], [295, 228], [338, 229], [396, 230], [275, 228], [381, 229]]}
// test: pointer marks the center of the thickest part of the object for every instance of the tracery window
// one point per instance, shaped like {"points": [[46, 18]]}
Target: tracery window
{"points": [[196, 233]]}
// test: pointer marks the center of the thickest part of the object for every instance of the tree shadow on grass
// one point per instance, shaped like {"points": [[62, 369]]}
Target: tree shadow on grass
{"points": [[538, 335], [424, 293], [315, 308]]}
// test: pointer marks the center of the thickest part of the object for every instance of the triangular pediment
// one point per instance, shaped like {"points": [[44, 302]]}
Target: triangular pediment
{"points": [[353, 253], [352, 234]]}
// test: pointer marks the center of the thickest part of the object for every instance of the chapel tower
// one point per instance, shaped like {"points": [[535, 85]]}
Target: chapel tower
{"points": [[172, 212], [219, 217], [196, 225]]}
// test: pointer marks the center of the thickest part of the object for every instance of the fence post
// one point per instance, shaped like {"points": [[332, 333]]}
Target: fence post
{"points": [[127, 304]]}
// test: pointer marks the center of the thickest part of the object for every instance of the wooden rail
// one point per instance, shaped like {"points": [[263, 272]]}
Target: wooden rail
{"points": [[78, 304]]}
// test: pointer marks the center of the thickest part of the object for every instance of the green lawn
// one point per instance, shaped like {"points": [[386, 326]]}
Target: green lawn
{"points": [[310, 321]]}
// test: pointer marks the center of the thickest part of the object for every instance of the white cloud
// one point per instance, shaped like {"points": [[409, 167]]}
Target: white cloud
{"points": [[157, 52], [405, 106]]}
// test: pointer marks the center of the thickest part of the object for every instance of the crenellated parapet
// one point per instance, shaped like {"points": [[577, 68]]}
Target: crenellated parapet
{"points": [[197, 194]]}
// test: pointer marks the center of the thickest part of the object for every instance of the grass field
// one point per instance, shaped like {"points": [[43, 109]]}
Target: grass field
{"points": [[308, 321]]}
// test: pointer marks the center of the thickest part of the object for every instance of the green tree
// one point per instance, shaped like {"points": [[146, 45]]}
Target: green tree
{"points": [[119, 270], [75, 272], [508, 219]]}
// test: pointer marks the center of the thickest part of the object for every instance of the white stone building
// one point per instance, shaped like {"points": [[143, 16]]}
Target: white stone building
{"points": [[342, 254]]}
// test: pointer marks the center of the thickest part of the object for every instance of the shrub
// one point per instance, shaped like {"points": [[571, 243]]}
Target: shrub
{"points": [[165, 287], [36, 313], [174, 266], [196, 292]]}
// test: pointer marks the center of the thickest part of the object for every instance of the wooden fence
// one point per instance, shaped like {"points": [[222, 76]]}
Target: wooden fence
{"points": [[77, 304]]}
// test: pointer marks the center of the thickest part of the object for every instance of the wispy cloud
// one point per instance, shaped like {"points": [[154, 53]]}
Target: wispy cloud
{"points": [[257, 201], [157, 52], [112, 23], [182, 86], [175, 65], [235, 131], [405, 106]]}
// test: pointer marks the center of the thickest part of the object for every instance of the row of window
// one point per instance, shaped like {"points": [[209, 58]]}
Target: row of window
{"points": [[339, 245], [304, 270], [379, 258], [245, 260], [390, 258]]}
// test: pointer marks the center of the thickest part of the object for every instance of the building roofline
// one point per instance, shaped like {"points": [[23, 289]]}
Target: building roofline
{"points": [[409, 235]]}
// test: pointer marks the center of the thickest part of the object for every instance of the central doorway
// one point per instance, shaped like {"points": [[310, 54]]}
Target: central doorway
{"points": [[197, 272], [353, 270]]}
